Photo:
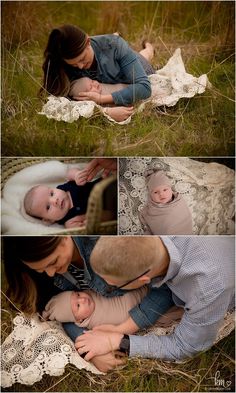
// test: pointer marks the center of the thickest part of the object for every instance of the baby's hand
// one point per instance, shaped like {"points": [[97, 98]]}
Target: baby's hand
{"points": [[79, 176]]}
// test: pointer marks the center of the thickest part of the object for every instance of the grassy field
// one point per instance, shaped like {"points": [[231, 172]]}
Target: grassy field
{"points": [[195, 375], [201, 126]]}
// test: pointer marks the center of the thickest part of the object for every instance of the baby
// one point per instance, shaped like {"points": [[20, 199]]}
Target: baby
{"points": [[66, 204], [166, 212], [86, 84], [90, 309]]}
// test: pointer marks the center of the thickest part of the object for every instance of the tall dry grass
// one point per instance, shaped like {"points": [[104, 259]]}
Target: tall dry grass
{"points": [[203, 29]]}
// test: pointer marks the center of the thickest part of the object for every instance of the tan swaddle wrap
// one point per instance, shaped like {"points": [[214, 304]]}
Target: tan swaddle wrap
{"points": [[172, 218], [113, 310]]}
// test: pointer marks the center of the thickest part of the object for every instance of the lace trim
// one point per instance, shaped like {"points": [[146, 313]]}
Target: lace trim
{"points": [[35, 348], [208, 189]]}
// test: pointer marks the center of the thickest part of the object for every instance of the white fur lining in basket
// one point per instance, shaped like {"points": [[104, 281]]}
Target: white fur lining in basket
{"points": [[14, 219], [169, 84]]}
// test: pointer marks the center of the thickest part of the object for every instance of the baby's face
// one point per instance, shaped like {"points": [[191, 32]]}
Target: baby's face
{"points": [[50, 204], [82, 305], [86, 84], [162, 194]]}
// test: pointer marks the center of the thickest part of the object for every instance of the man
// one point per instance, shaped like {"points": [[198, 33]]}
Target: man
{"points": [[199, 272]]}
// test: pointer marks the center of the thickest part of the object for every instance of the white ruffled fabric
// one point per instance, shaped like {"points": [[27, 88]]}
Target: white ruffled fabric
{"points": [[35, 348], [169, 84], [208, 189]]}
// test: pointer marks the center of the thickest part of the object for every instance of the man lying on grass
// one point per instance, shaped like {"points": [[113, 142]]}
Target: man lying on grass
{"points": [[199, 273]]}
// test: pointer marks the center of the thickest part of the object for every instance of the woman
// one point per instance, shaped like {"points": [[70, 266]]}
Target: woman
{"points": [[70, 54], [39, 267]]}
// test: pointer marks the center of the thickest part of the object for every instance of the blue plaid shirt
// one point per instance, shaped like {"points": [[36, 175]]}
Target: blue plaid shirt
{"points": [[201, 278]]}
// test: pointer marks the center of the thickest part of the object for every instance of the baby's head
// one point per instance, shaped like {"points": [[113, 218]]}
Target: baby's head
{"points": [[159, 187], [69, 306], [49, 204], [84, 85]]}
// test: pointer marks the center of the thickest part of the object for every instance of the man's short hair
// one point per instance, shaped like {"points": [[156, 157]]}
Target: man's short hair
{"points": [[123, 257]]}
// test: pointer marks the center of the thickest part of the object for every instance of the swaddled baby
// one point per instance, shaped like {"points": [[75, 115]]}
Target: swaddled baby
{"points": [[166, 211], [90, 309]]}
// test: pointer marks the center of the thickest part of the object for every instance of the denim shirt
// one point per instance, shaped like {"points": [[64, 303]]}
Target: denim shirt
{"points": [[157, 301], [116, 63]]}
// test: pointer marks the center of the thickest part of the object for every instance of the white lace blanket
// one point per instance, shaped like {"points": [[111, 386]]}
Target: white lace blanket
{"points": [[15, 221], [169, 84], [35, 348], [208, 189]]}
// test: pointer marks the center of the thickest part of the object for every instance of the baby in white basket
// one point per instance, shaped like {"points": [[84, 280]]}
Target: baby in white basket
{"points": [[166, 212], [66, 204]]}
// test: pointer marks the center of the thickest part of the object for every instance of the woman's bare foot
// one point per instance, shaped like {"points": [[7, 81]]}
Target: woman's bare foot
{"points": [[148, 51]]}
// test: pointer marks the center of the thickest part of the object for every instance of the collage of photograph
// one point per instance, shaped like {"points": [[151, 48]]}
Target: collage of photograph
{"points": [[118, 196]]}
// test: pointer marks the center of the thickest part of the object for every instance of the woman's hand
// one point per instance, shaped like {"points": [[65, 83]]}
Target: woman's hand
{"points": [[89, 96], [109, 361], [99, 98], [120, 113], [97, 343]]}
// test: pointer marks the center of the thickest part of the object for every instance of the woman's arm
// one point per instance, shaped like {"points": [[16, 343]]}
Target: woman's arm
{"points": [[139, 87]]}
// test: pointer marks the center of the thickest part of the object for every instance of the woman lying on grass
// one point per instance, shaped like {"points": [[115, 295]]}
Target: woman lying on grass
{"points": [[71, 54]]}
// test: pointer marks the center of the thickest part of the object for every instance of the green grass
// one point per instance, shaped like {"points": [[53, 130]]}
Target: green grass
{"points": [[203, 125], [143, 375]]}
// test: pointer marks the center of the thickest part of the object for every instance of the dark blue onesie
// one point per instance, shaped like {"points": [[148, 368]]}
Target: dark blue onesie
{"points": [[79, 196]]}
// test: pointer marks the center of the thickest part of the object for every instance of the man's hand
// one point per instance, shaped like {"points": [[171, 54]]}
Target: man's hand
{"points": [[109, 361], [95, 343]]}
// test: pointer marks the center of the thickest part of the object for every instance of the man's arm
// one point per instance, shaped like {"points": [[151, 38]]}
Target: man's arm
{"points": [[195, 333], [152, 307]]}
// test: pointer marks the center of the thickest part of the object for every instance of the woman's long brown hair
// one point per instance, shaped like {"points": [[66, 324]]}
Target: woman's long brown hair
{"points": [[64, 42], [27, 288]]}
